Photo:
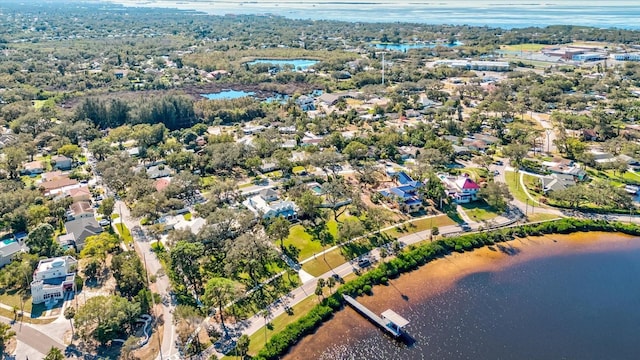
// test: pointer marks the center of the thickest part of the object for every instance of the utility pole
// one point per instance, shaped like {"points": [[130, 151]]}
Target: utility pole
{"points": [[383, 69]]}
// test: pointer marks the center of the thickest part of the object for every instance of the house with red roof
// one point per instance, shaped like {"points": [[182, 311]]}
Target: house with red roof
{"points": [[460, 188]]}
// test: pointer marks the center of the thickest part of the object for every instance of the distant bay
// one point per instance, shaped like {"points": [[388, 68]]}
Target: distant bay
{"points": [[622, 14]]}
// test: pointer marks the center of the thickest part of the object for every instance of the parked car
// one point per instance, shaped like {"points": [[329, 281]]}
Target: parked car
{"points": [[499, 162], [364, 263], [465, 226], [104, 222]]}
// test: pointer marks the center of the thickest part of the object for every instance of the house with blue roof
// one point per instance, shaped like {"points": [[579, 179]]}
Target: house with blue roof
{"points": [[406, 195]]}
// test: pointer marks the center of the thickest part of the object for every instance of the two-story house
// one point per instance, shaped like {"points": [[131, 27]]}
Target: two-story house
{"points": [[53, 278], [460, 188]]}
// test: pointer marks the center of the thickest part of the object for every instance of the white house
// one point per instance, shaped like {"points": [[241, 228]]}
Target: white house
{"points": [[306, 103], [267, 206], [53, 278], [61, 162], [460, 188], [8, 249]]}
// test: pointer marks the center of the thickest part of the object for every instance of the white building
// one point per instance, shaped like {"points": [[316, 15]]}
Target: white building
{"points": [[476, 65], [53, 278], [626, 57], [460, 188], [267, 205], [306, 103], [8, 249]]}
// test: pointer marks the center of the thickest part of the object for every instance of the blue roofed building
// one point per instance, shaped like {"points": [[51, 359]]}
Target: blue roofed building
{"points": [[406, 195]]}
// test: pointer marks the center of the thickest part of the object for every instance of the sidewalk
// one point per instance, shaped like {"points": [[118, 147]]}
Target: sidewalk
{"points": [[257, 322]]}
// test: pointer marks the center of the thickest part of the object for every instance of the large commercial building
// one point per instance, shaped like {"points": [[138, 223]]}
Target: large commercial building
{"points": [[476, 65], [626, 57]]}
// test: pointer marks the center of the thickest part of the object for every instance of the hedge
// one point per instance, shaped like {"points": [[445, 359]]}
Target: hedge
{"points": [[417, 256]]}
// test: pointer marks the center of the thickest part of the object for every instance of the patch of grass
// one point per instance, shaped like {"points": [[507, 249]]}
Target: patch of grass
{"points": [[187, 216], [304, 241], [274, 174], [475, 173], [513, 181], [38, 104], [13, 298], [323, 263], [258, 339], [28, 180], [421, 225], [115, 216], [523, 47], [298, 169], [124, 233], [479, 211], [299, 238], [9, 314]]}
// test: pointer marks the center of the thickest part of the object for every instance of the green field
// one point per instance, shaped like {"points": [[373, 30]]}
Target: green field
{"points": [[479, 211], [523, 47], [323, 263], [421, 225]]}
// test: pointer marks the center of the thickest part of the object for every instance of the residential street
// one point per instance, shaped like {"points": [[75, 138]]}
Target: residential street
{"points": [[143, 248], [34, 339]]}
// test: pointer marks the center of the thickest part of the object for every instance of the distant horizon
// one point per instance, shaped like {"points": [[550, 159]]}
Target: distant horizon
{"points": [[622, 14]]}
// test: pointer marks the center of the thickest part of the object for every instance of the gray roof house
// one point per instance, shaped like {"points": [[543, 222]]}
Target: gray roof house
{"points": [[557, 182], [158, 171], [81, 229], [8, 249], [61, 162]]}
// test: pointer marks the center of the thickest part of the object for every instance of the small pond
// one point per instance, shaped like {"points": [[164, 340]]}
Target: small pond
{"points": [[295, 63], [228, 94]]}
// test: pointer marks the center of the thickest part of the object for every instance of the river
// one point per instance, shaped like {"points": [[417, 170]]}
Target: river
{"points": [[553, 297]]}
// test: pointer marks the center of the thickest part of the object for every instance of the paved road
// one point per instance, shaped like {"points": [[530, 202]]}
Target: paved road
{"points": [[34, 338], [256, 322], [549, 134], [143, 248]]}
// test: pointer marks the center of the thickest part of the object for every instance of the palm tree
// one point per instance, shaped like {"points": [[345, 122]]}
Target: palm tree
{"points": [[54, 354], [69, 314]]}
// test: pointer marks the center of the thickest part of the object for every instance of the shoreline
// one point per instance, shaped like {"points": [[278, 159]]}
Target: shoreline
{"points": [[439, 276], [504, 16]]}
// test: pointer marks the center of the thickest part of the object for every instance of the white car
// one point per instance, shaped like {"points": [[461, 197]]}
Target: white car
{"points": [[104, 222]]}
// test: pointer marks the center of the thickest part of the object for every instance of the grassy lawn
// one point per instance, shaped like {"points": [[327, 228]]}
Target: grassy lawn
{"points": [[421, 225], [28, 180], [12, 298], [299, 238], [479, 211], [514, 186], [257, 340], [304, 241], [324, 263], [614, 177], [523, 47], [124, 233], [115, 216], [475, 173]]}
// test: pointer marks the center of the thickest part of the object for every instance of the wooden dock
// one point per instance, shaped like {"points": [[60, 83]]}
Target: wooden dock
{"points": [[390, 321]]}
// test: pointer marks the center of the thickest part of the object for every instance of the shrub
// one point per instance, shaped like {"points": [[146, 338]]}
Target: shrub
{"points": [[409, 260]]}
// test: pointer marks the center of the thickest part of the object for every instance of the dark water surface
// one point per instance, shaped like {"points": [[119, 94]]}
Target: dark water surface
{"points": [[553, 301]]}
